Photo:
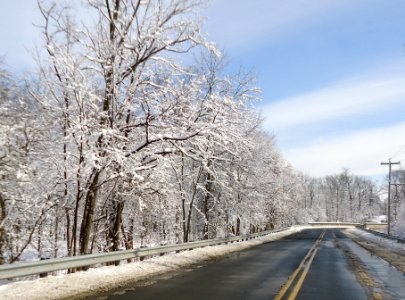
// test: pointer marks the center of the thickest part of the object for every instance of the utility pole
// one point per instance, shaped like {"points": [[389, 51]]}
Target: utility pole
{"points": [[389, 163]]}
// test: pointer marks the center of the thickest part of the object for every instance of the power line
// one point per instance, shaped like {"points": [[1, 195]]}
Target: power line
{"points": [[400, 151], [402, 159]]}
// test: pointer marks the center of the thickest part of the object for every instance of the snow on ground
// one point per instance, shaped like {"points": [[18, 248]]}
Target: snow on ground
{"points": [[389, 250], [379, 240], [99, 280], [377, 219]]}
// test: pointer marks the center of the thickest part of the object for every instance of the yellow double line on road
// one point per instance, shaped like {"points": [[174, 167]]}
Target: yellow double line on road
{"points": [[302, 269]]}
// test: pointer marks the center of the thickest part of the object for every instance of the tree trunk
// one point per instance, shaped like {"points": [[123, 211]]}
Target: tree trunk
{"points": [[128, 237], [237, 226], [91, 200], [208, 188], [68, 242], [56, 233], [186, 236], [208, 196], [115, 225], [2, 231]]}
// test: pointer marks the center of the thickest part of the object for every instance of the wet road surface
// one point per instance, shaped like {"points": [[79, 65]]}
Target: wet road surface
{"points": [[312, 264]]}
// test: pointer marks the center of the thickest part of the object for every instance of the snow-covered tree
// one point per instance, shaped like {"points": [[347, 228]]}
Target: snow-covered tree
{"points": [[113, 89], [119, 144], [342, 197], [21, 204]]}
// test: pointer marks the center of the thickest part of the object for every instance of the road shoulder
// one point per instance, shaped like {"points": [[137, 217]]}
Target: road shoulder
{"points": [[389, 250]]}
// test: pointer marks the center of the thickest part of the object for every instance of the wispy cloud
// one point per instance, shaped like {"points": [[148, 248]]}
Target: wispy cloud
{"points": [[267, 20], [373, 100], [361, 152], [353, 97]]}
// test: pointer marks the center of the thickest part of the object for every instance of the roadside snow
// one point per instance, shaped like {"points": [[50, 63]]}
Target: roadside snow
{"points": [[99, 280], [383, 242], [389, 250], [377, 219]]}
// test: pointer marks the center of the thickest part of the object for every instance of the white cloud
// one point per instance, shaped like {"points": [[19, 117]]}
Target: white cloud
{"points": [[360, 151], [372, 98], [356, 96]]}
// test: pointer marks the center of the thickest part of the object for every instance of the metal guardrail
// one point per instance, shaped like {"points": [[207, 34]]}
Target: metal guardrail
{"points": [[334, 224], [384, 235], [361, 226], [56, 264]]}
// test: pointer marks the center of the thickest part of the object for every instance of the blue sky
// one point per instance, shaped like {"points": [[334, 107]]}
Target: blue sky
{"points": [[332, 73]]}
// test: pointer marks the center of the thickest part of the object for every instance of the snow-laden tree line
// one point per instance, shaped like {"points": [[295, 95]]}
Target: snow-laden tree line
{"points": [[116, 143], [398, 202], [342, 197]]}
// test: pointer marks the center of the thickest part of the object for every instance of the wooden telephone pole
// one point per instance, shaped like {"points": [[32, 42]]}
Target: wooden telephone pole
{"points": [[389, 163]]}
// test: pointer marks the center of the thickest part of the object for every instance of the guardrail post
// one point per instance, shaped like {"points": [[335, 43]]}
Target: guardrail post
{"points": [[45, 274]]}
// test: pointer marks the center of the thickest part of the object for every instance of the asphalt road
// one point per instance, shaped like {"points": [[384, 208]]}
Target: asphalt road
{"points": [[307, 265]]}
